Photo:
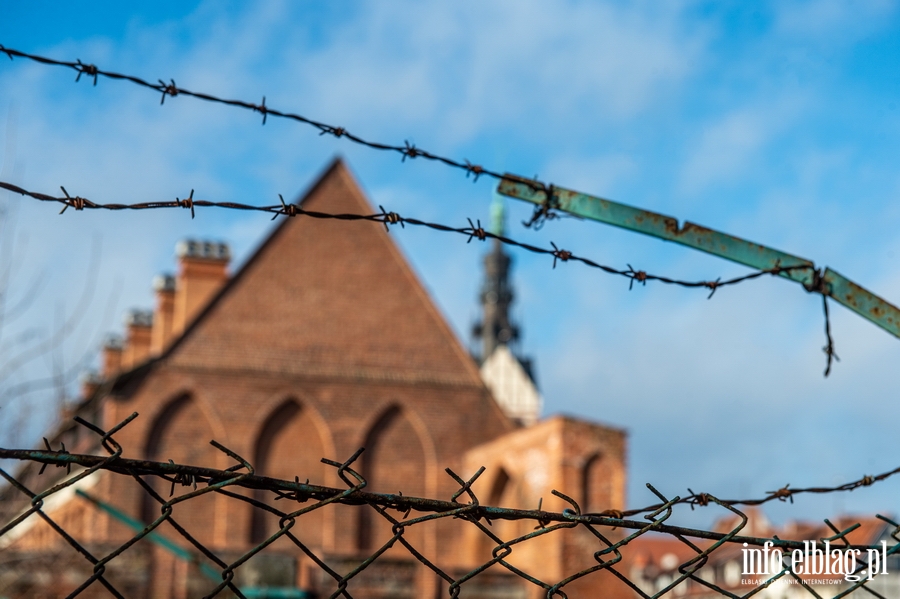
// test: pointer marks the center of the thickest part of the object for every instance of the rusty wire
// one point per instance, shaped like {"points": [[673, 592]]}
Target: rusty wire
{"points": [[403, 513], [472, 231], [785, 493], [542, 213], [407, 150], [241, 476]]}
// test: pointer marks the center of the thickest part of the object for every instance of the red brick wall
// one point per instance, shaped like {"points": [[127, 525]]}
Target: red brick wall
{"points": [[181, 433], [326, 342], [290, 443]]}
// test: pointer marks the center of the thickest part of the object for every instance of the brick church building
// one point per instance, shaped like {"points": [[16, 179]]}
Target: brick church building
{"points": [[323, 342]]}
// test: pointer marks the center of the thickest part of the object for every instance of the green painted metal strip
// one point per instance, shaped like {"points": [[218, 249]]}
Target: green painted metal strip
{"points": [[183, 554], [754, 255], [658, 225], [275, 593], [154, 537], [861, 301]]}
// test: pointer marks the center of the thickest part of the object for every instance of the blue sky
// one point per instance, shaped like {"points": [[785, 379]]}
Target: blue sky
{"points": [[774, 121]]}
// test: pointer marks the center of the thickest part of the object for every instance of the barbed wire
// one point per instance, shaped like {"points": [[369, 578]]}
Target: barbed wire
{"points": [[612, 548], [541, 214], [191, 475], [472, 231], [407, 150], [785, 493], [242, 475], [62, 458]]}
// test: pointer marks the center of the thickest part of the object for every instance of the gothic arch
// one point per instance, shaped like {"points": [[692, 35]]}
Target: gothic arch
{"points": [[272, 427], [181, 431], [290, 443], [202, 403], [499, 488], [396, 459], [161, 422], [378, 423], [151, 450], [595, 484], [277, 400], [382, 418], [504, 492]]}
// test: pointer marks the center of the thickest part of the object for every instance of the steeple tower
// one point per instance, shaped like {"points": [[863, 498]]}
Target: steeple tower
{"points": [[495, 327], [507, 375]]}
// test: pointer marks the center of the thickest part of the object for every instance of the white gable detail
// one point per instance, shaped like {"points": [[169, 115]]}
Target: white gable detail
{"points": [[511, 386]]}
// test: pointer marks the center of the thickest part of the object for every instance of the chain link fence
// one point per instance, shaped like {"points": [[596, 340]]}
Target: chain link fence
{"points": [[426, 546]]}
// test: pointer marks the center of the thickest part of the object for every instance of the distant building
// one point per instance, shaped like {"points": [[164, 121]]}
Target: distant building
{"points": [[324, 341], [655, 561], [509, 377]]}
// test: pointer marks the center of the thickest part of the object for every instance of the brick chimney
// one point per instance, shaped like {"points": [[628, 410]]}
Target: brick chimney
{"points": [[164, 314], [202, 270], [112, 356], [90, 382], [138, 327]]}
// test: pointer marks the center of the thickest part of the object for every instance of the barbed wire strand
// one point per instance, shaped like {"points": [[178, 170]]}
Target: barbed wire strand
{"points": [[62, 458], [541, 214], [472, 231], [609, 554], [185, 474], [407, 150]]}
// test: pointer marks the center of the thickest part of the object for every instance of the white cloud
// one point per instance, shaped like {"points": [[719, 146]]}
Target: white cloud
{"points": [[466, 68], [583, 92], [584, 173], [731, 147], [823, 19]]}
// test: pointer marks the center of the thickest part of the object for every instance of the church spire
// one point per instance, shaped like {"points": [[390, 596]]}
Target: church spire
{"points": [[507, 375], [495, 327]]}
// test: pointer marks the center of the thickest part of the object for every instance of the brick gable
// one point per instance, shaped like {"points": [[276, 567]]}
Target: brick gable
{"points": [[329, 298], [324, 342]]}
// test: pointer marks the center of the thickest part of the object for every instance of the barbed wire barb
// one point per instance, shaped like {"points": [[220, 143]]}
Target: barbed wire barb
{"points": [[542, 212], [387, 218], [234, 482], [406, 150]]}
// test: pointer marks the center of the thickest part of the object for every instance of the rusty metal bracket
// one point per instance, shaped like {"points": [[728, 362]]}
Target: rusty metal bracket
{"points": [[839, 288]]}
